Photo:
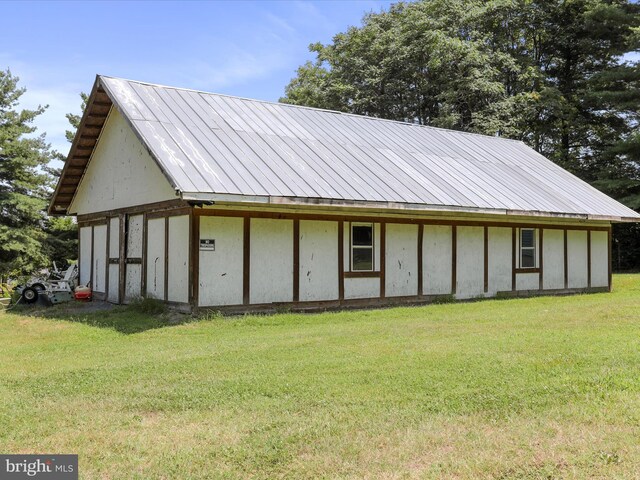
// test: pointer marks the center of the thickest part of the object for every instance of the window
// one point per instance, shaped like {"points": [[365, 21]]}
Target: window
{"points": [[361, 247], [527, 248]]}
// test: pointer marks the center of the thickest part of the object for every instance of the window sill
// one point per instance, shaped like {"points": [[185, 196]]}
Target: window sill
{"points": [[527, 270], [361, 274]]}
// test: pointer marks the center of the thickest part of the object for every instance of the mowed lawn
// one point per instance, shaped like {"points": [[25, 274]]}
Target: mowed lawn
{"points": [[524, 388]]}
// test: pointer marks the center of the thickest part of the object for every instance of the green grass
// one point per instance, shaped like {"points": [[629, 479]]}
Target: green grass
{"points": [[524, 388]]}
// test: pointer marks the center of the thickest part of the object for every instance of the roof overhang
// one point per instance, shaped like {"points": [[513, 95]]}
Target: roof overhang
{"points": [[95, 114], [246, 200]]}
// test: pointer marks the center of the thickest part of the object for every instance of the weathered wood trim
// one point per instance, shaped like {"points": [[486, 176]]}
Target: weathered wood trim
{"points": [[514, 258], [145, 240], [134, 261], [454, 259], [246, 265], [341, 258], [148, 208], [296, 260], [361, 274], [114, 261], [540, 258], [194, 259], [92, 223], [566, 260], [609, 253], [398, 220], [486, 259], [383, 259], [174, 212], [166, 259], [420, 253], [93, 241], [107, 260], [589, 258], [527, 270]]}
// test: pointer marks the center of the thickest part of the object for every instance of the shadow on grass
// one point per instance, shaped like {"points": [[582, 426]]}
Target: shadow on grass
{"points": [[137, 317]]}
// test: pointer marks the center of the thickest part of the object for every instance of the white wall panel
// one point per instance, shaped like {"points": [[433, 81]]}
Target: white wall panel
{"points": [[470, 262], [132, 285], [361, 287], [98, 282], [401, 255], [85, 255], [500, 259], [155, 258], [134, 236], [436, 259], [577, 258], [114, 282], [121, 173], [318, 260], [271, 261], [221, 269], [178, 269], [527, 281], [599, 259], [553, 259], [114, 238]]}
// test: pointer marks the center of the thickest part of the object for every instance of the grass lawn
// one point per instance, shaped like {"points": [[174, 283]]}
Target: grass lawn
{"points": [[524, 388]]}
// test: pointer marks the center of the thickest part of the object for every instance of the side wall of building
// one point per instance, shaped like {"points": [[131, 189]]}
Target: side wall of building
{"points": [[201, 257]]}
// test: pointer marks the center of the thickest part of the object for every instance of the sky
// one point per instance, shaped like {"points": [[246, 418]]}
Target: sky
{"points": [[248, 49]]}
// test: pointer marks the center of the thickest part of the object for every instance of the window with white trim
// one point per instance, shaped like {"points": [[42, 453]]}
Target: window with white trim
{"points": [[361, 247], [527, 248]]}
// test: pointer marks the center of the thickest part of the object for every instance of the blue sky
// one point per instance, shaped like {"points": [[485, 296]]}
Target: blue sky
{"points": [[249, 49]]}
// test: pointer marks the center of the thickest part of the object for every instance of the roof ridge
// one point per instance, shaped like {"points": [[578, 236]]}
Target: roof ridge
{"points": [[290, 105]]}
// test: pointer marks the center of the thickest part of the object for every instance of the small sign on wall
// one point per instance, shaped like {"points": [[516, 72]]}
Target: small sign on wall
{"points": [[208, 244]]}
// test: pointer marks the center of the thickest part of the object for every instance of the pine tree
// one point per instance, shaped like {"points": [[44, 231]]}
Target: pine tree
{"points": [[24, 184]]}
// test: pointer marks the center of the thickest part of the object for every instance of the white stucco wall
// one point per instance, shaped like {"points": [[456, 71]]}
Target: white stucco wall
{"points": [[271, 261], [599, 259], [553, 259], [98, 282], [528, 281], [577, 258], [221, 270], [114, 252], [401, 255], [155, 258], [318, 260], [361, 287], [178, 267], [500, 259], [85, 255], [436, 260], [121, 173], [470, 262]]}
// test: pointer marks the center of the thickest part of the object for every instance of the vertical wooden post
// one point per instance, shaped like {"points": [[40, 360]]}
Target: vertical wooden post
{"points": [[340, 260], [383, 259], [145, 242], [194, 257], [166, 259], [246, 280], [296, 260], [122, 257], [588, 258], [107, 262], [93, 241], [514, 242], [566, 261], [454, 259], [486, 259], [420, 253], [609, 251]]}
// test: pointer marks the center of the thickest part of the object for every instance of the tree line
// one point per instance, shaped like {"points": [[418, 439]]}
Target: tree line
{"points": [[554, 74]]}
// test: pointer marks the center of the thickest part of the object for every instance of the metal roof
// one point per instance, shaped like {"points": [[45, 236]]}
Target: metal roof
{"points": [[218, 147]]}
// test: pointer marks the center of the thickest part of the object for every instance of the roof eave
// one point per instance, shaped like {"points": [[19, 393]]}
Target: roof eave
{"points": [[245, 200]]}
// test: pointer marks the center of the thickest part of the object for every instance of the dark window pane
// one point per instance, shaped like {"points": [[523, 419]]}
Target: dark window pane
{"points": [[362, 235], [527, 261], [362, 259], [528, 238]]}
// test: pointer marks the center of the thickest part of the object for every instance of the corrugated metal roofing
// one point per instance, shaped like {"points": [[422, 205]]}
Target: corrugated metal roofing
{"points": [[214, 146]]}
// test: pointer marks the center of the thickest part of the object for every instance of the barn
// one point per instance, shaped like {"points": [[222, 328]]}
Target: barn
{"points": [[206, 200]]}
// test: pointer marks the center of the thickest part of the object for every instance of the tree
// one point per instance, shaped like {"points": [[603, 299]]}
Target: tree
{"points": [[62, 232], [24, 183]]}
